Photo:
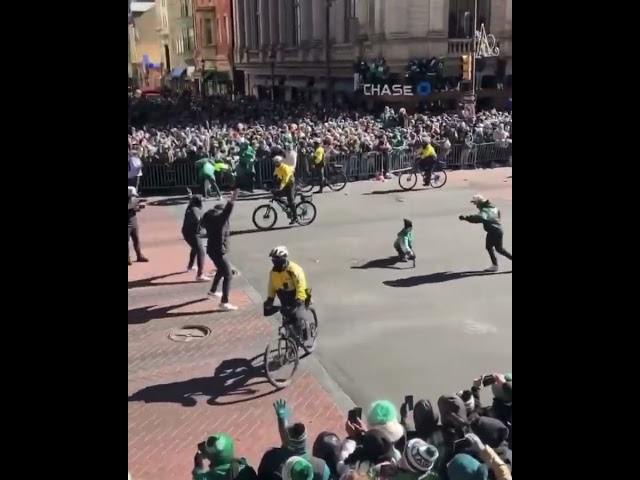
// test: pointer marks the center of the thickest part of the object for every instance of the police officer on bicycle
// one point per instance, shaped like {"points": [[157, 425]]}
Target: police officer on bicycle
{"points": [[427, 159], [285, 177], [288, 282]]}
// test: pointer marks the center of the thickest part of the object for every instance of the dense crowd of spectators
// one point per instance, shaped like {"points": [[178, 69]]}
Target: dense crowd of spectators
{"points": [[166, 130], [459, 440]]}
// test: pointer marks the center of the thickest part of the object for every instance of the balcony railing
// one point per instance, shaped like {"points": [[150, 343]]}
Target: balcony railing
{"points": [[460, 46]]}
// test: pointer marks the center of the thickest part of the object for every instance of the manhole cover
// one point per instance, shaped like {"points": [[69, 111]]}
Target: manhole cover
{"points": [[189, 333]]}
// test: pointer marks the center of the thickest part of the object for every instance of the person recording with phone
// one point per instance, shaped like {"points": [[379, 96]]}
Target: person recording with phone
{"points": [[501, 408]]}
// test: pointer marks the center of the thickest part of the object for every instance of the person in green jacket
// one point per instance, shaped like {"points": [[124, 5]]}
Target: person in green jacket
{"points": [[404, 242], [206, 173], [223, 465], [490, 218], [246, 171], [397, 142], [221, 168]]}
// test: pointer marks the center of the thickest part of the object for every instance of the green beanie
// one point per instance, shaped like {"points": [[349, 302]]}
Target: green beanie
{"points": [[297, 468], [382, 412], [219, 449]]}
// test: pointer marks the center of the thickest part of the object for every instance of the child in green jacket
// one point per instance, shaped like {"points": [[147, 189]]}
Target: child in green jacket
{"points": [[404, 242]]}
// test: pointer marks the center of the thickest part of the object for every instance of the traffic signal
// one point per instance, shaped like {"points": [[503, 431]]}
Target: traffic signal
{"points": [[467, 67]]}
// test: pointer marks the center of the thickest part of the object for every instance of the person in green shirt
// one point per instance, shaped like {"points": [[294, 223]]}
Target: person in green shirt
{"points": [[404, 242], [245, 170], [206, 173], [396, 142], [223, 465]]}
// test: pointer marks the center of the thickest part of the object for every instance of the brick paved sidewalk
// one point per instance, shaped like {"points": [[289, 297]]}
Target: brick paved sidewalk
{"points": [[180, 392]]}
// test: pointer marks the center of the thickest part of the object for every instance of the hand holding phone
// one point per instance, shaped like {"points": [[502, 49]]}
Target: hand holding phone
{"points": [[408, 401], [354, 415], [488, 380], [461, 445]]}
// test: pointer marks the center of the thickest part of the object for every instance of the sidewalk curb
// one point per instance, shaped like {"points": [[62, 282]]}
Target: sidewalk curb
{"points": [[311, 363]]}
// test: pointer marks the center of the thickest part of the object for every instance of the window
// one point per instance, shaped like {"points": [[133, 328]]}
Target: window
{"points": [[191, 39], [218, 30], [256, 24], [226, 29], [165, 22], [461, 17], [349, 13], [207, 31], [297, 23]]}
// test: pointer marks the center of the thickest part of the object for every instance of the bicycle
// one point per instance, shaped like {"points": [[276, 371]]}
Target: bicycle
{"points": [[437, 180], [335, 180], [288, 346], [305, 210]]}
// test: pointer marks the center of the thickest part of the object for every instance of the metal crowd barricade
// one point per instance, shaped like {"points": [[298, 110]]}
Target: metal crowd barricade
{"points": [[356, 166], [167, 176]]}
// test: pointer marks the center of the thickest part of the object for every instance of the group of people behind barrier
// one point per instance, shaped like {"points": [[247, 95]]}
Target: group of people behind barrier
{"points": [[357, 166], [456, 439]]}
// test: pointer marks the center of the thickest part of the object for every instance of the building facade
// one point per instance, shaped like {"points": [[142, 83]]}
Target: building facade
{"points": [[145, 52], [213, 21], [180, 42], [280, 44]]}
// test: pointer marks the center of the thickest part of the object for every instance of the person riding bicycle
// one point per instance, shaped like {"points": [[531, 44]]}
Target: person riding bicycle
{"points": [[427, 160], [404, 242], [288, 282], [285, 176]]}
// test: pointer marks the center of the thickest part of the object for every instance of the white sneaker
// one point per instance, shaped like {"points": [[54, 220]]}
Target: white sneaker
{"points": [[202, 278], [492, 268], [227, 307], [215, 294], [192, 269]]}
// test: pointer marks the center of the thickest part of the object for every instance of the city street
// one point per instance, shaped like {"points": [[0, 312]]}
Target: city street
{"points": [[396, 330]]}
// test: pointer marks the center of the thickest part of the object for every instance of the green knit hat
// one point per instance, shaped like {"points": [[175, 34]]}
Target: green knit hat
{"points": [[383, 416], [297, 468], [218, 448]]}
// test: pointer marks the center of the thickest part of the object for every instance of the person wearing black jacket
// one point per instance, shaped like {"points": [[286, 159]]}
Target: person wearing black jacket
{"points": [[191, 231], [216, 222], [134, 231]]}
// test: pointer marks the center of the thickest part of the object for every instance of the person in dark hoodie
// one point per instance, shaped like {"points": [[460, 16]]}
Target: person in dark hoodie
{"points": [[501, 409], [191, 233], [454, 426], [216, 222], [493, 433], [294, 443], [489, 217], [425, 426], [328, 447]]}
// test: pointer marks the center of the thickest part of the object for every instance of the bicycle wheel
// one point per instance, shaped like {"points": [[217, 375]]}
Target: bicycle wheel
{"points": [[310, 345], [304, 185], [306, 212], [265, 214], [438, 179], [337, 181], [276, 361], [407, 180]]}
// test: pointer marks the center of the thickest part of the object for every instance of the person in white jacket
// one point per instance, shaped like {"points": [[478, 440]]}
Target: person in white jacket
{"points": [[291, 156]]}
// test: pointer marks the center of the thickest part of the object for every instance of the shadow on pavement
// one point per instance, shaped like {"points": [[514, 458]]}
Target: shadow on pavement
{"points": [[395, 190], [438, 277], [230, 378], [169, 202], [389, 262], [255, 230], [149, 282], [138, 316]]}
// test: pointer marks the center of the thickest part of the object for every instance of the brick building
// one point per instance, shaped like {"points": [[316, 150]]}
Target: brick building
{"points": [[213, 22]]}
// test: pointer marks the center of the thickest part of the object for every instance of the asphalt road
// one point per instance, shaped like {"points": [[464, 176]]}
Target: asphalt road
{"points": [[392, 331]]}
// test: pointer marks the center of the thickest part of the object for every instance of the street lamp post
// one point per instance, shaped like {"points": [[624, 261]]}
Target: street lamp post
{"points": [[483, 46], [272, 61], [327, 52], [203, 88]]}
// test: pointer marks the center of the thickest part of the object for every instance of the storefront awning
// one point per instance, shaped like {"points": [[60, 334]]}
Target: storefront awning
{"points": [[178, 71]]}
